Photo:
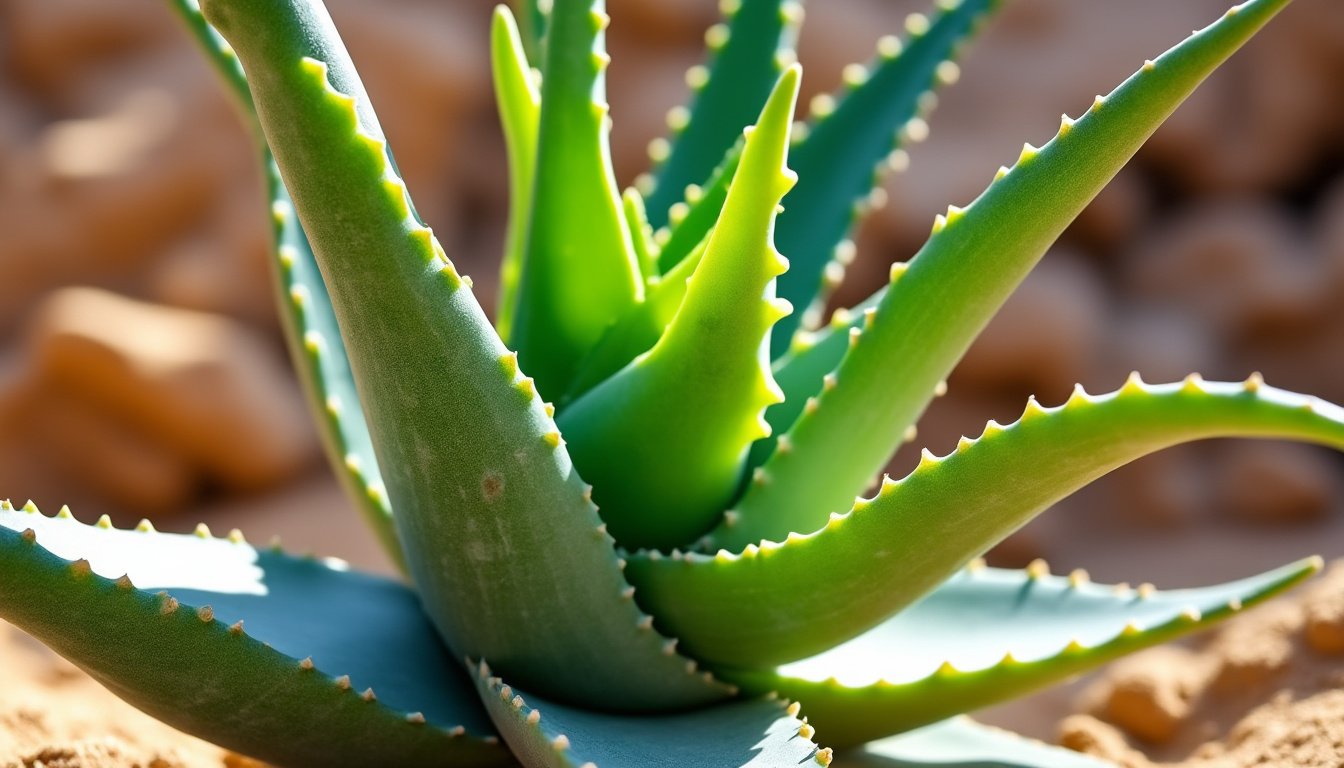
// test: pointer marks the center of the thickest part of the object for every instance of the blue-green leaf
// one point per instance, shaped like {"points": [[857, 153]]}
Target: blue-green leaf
{"points": [[155, 618], [761, 733], [988, 635], [306, 315], [749, 50], [964, 743], [847, 144]]}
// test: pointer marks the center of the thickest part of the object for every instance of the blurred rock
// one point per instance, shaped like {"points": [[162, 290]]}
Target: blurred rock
{"points": [[1162, 344], [1150, 699], [201, 385], [50, 44], [1324, 630], [225, 269], [1259, 123], [1238, 265], [1251, 654], [1275, 483]]}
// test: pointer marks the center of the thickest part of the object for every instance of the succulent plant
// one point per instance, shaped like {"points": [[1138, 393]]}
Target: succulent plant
{"points": [[719, 566]]}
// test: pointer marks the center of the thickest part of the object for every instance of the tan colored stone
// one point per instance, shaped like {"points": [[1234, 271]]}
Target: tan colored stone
{"points": [[202, 384], [1276, 483], [1149, 697], [52, 43], [1237, 265], [1324, 629]]}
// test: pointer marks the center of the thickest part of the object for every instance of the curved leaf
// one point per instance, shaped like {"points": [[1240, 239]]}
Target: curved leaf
{"points": [[748, 52], [988, 635], [519, 111], [762, 733], [801, 372], [284, 685], [500, 534], [778, 602], [963, 743], [954, 285], [309, 323], [663, 440], [579, 271], [846, 146], [638, 329]]}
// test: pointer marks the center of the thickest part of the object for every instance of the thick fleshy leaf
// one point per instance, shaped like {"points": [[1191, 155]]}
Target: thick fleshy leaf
{"points": [[500, 534], [761, 733], [637, 330], [749, 50], [579, 269], [988, 635], [801, 372], [309, 323], [850, 139], [154, 617], [963, 743], [519, 111], [690, 222], [854, 143], [664, 439], [970, 265], [779, 602], [532, 16]]}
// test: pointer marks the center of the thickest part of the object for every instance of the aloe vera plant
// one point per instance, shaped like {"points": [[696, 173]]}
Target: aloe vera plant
{"points": [[658, 568]]}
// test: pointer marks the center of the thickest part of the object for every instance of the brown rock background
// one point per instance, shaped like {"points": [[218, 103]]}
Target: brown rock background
{"points": [[142, 373]]}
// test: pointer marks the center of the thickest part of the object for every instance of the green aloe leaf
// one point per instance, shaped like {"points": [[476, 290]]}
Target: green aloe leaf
{"points": [[847, 141], [779, 602], [532, 17], [519, 112], [876, 110], [988, 635], [691, 221], [155, 618], [464, 442], [309, 323], [662, 475], [801, 372], [749, 50], [970, 265], [963, 743], [637, 330], [580, 271], [761, 733]]}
